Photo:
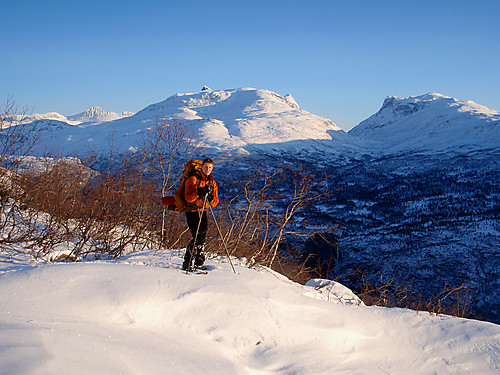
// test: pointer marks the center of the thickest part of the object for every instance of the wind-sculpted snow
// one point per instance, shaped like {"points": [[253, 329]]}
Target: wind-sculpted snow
{"points": [[142, 314]]}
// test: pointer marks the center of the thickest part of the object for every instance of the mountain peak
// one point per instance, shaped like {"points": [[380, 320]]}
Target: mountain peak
{"points": [[431, 121], [431, 96], [98, 115], [291, 101]]}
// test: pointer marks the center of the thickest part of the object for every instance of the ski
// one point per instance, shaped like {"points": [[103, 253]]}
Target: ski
{"points": [[195, 271]]}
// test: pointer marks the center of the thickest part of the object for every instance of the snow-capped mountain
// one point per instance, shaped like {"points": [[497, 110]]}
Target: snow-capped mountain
{"points": [[241, 117], [249, 120], [228, 120], [94, 115], [431, 122], [97, 115], [50, 116]]}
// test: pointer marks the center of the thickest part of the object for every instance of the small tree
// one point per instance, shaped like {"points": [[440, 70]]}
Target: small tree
{"points": [[15, 137], [300, 184], [15, 142]]}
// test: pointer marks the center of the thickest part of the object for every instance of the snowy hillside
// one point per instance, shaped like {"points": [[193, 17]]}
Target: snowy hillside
{"points": [[142, 315], [234, 120], [431, 122]]}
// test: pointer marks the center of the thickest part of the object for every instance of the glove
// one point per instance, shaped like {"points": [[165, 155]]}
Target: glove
{"points": [[204, 190], [210, 198]]}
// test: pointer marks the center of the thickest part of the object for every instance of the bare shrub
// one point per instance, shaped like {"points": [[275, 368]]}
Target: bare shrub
{"points": [[450, 300], [94, 213], [16, 139], [107, 212], [260, 218], [121, 207]]}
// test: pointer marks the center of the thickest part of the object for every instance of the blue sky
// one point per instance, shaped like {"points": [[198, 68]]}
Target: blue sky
{"points": [[339, 59]]}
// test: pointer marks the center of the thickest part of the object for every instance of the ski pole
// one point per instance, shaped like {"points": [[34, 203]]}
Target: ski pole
{"points": [[222, 237]]}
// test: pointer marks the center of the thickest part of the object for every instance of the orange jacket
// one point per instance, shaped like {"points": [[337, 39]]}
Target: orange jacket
{"points": [[191, 195]]}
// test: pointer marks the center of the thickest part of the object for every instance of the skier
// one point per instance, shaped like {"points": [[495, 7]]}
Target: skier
{"points": [[200, 190]]}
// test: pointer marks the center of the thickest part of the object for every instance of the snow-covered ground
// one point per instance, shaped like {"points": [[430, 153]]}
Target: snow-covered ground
{"points": [[141, 314]]}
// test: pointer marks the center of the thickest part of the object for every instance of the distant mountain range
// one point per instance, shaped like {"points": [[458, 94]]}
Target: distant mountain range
{"points": [[91, 116], [243, 120]]}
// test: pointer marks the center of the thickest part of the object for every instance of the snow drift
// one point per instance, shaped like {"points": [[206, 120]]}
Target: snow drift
{"points": [[142, 314]]}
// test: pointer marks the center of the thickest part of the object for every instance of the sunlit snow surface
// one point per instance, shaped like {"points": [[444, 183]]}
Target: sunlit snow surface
{"points": [[141, 314]]}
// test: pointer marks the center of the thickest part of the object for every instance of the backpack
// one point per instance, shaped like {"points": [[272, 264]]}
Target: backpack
{"points": [[190, 169]]}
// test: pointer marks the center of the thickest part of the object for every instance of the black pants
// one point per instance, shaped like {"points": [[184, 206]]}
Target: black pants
{"points": [[198, 226], [193, 220]]}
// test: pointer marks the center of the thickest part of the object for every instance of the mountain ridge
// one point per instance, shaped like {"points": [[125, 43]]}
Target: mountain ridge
{"points": [[226, 120], [246, 120]]}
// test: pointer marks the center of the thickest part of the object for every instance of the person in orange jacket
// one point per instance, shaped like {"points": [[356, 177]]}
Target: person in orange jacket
{"points": [[200, 190]]}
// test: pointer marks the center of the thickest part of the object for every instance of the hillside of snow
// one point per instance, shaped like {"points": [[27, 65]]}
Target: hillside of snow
{"points": [[49, 116], [142, 314], [431, 122]]}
